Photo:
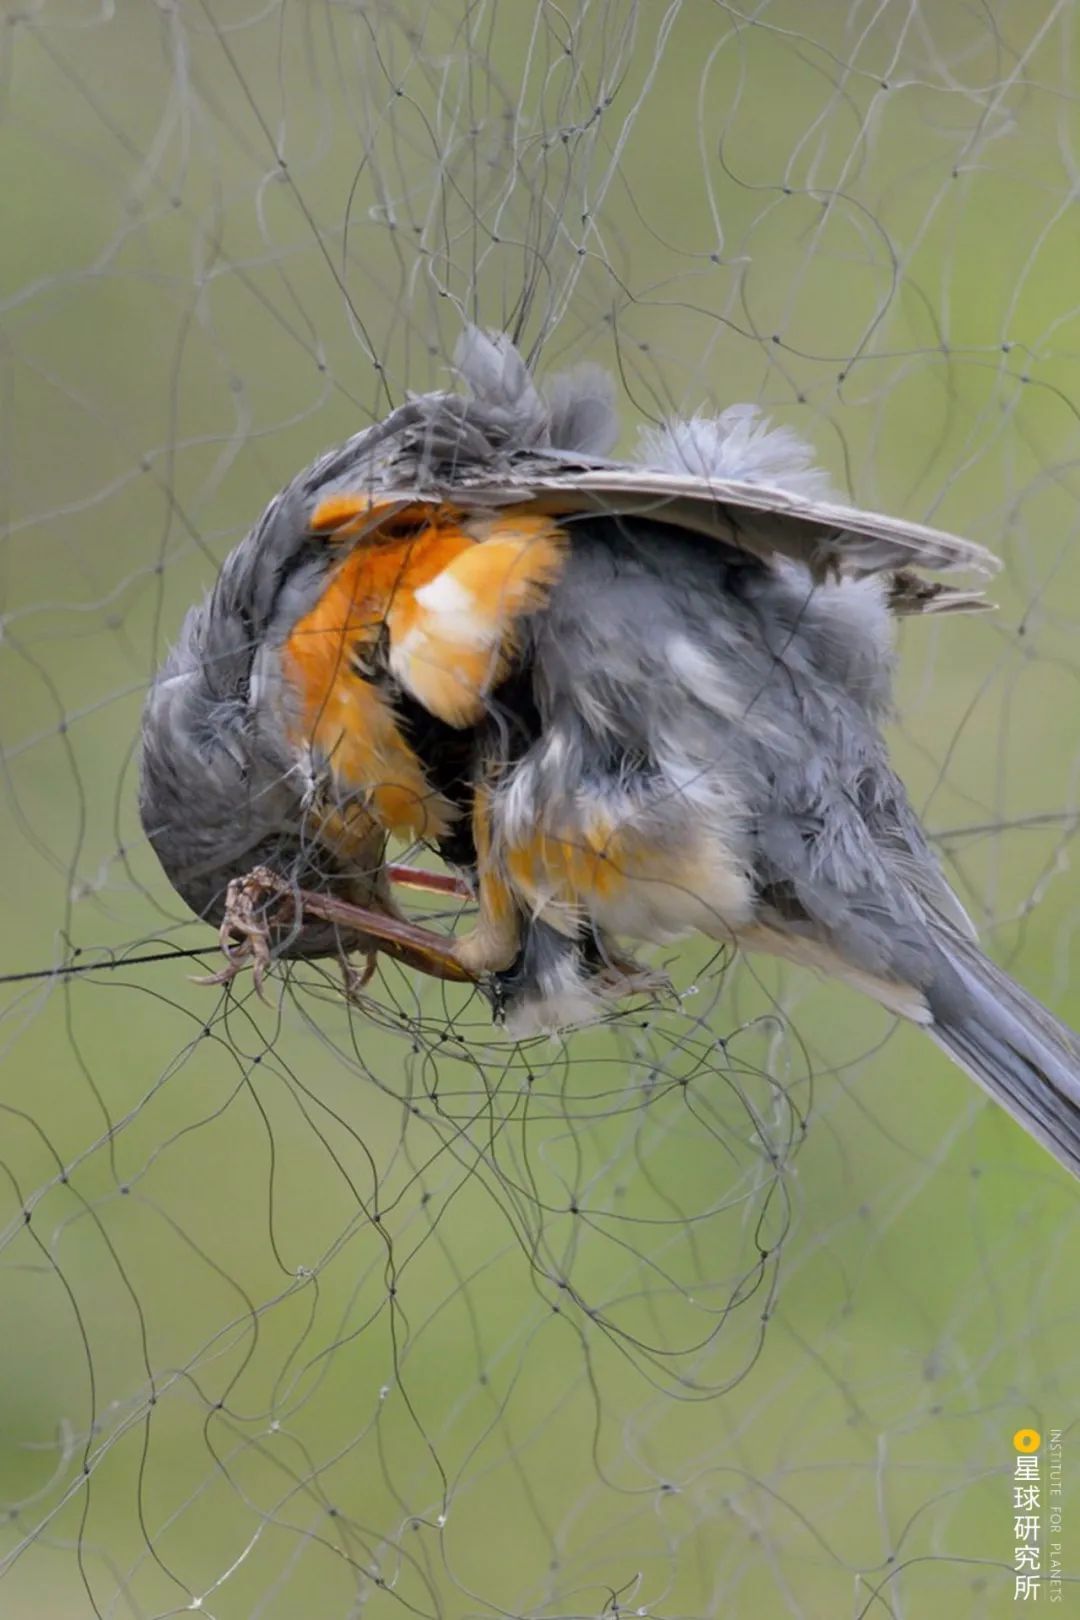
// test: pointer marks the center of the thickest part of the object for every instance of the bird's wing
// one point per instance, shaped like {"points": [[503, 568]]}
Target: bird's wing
{"points": [[826, 536], [909, 594]]}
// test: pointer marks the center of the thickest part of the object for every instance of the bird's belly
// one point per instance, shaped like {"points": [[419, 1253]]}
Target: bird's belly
{"points": [[622, 879]]}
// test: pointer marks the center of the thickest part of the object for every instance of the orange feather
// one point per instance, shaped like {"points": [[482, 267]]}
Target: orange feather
{"points": [[446, 591]]}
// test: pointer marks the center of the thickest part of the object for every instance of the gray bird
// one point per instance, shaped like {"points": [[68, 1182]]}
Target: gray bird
{"points": [[624, 700]]}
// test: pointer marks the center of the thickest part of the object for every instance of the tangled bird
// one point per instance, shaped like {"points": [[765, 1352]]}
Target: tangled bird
{"points": [[623, 700]]}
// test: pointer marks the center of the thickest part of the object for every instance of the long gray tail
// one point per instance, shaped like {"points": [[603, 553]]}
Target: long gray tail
{"points": [[1010, 1044]]}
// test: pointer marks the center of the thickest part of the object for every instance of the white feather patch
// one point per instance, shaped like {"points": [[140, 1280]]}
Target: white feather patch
{"points": [[445, 594], [455, 612], [565, 998]]}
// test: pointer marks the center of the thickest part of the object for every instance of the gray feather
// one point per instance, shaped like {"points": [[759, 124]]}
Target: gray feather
{"points": [[502, 386], [1011, 1045], [908, 594], [221, 790], [216, 790], [828, 537], [583, 418], [682, 684], [739, 445]]}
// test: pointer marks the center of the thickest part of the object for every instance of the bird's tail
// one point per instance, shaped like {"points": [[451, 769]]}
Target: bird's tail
{"points": [[1021, 1054]]}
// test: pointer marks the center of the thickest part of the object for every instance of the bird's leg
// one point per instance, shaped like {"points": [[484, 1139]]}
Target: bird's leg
{"points": [[245, 929], [413, 877], [357, 979], [493, 945], [407, 943], [244, 935], [623, 976]]}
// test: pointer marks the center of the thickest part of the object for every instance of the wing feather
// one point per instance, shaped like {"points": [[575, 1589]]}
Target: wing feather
{"points": [[828, 537]]}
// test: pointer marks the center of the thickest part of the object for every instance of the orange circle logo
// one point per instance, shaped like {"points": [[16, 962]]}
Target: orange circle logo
{"points": [[1027, 1440]]}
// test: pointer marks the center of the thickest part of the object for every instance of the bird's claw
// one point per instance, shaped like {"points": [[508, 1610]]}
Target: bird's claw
{"points": [[246, 928], [356, 979], [244, 934]]}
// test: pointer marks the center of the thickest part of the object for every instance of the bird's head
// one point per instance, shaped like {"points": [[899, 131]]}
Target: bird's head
{"points": [[223, 786]]}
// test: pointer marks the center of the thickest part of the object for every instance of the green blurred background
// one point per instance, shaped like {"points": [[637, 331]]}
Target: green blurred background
{"points": [[312, 1311]]}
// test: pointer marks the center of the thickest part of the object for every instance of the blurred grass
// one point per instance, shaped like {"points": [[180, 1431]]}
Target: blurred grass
{"points": [[329, 1252]]}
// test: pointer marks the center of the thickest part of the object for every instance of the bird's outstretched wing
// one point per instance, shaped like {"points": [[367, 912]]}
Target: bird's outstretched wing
{"points": [[826, 536], [733, 477]]}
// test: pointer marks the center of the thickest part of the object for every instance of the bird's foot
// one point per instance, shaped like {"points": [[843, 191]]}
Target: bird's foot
{"points": [[628, 978], [244, 934], [250, 917]]}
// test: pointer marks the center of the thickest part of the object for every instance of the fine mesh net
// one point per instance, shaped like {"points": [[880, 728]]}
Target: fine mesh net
{"points": [[732, 1304]]}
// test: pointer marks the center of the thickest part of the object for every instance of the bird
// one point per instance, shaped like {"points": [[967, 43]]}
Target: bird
{"points": [[622, 699]]}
